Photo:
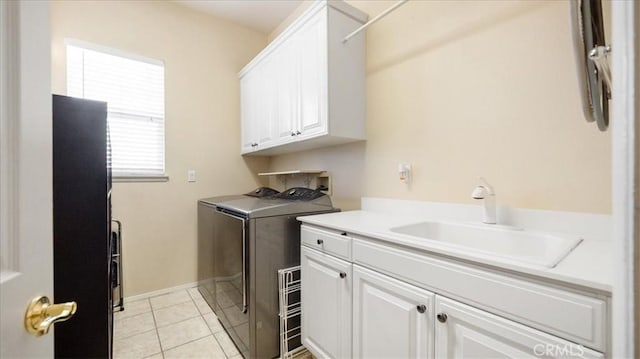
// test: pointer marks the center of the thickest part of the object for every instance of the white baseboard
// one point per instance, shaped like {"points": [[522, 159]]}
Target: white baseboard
{"points": [[156, 293]]}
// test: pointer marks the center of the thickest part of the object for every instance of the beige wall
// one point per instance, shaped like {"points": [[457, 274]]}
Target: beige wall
{"points": [[462, 89], [202, 56], [457, 89]]}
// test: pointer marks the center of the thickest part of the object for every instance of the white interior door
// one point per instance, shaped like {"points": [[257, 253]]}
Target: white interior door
{"points": [[26, 227], [625, 25]]}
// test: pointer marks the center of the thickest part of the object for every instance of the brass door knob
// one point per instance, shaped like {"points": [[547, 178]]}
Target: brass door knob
{"points": [[41, 314]]}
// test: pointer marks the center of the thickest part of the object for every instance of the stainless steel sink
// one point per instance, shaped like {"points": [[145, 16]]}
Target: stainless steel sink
{"points": [[515, 244]]}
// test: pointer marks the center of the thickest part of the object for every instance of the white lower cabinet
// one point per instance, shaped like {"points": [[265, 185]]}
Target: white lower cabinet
{"points": [[326, 304], [466, 332], [363, 306], [391, 319]]}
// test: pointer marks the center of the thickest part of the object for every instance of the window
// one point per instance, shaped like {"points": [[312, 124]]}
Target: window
{"points": [[133, 88]]}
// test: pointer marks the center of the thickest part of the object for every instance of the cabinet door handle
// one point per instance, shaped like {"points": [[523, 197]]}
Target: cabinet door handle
{"points": [[422, 308], [343, 275], [442, 317], [319, 241], [298, 133], [343, 233], [293, 133]]}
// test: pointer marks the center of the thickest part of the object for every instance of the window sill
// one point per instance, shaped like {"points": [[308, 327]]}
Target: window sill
{"points": [[118, 179]]}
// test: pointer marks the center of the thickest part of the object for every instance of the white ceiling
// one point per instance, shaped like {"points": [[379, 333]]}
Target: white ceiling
{"points": [[261, 15]]}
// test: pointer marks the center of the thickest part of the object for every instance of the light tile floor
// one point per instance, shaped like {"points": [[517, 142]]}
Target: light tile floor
{"points": [[175, 325]]}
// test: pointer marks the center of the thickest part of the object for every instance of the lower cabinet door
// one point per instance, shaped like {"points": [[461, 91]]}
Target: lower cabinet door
{"points": [[326, 304], [466, 332], [391, 319]]}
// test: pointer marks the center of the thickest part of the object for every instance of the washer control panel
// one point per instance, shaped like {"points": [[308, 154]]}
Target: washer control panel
{"points": [[300, 194]]}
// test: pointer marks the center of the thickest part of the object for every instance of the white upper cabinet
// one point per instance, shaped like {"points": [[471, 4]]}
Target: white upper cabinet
{"points": [[306, 89]]}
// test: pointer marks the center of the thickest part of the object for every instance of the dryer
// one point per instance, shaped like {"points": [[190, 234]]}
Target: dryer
{"points": [[256, 237], [213, 262]]}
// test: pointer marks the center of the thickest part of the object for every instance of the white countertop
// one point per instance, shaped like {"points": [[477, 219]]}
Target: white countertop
{"points": [[588, 265]]}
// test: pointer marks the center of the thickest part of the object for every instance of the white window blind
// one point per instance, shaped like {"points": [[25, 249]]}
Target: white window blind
{"points": [[134, 91]]}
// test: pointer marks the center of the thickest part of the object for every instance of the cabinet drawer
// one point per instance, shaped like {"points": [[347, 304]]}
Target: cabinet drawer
{"points": [[336, 243], [575, 317]]}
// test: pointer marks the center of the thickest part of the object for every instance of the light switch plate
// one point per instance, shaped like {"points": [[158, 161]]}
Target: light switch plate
{"points": [[191, 176]]}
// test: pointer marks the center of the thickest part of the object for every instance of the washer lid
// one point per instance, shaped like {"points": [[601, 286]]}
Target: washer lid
{"points": [[300, 194], [251, 207], [258, 192], [262, 192], [214, 201]]}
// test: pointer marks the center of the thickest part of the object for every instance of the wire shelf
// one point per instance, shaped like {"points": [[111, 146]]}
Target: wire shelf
{"points": [[290, 313]]}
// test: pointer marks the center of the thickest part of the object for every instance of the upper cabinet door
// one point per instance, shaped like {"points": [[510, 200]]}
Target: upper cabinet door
{"points": [[326, 304], [466, 332], [266, 111], [391, 319], [312, 93], [258, 107], [287, 88], [247, 114]]}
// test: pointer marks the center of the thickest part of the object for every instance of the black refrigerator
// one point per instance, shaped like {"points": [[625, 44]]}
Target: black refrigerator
{"points": [[82, 227]]}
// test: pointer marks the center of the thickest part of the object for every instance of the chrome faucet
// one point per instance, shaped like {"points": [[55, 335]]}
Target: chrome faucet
{"points": [[485, 191]]}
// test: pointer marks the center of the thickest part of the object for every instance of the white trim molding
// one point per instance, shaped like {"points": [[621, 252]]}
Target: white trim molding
{"points": [[9, 113], [158, 292], [112, 51], [116, 179], [625, 176]]}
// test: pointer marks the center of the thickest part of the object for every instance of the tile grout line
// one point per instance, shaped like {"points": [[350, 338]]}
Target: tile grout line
{"points": [[155, 325], [185, 343], [162, 351], [133, 315], [117, 338], [216, 338], [207, 324], [195, 340], [173, 305], [196, 304], [200, 314], [181, 321], [170, 305]]}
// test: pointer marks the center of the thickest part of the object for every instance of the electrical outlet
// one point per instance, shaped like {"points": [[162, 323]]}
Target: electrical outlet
{"points": [[404, 173], [191, 176]]}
